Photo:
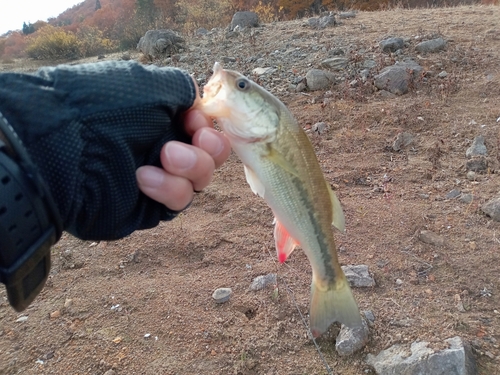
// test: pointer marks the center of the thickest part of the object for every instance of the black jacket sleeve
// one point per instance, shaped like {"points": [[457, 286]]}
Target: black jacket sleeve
{"points": [[88, 128]]}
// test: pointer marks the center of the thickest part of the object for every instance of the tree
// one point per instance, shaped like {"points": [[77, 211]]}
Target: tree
{"points": [[28, 28]]}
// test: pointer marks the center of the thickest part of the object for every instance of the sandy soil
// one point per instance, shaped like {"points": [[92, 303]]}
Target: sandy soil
{"points": [[143, 305]]}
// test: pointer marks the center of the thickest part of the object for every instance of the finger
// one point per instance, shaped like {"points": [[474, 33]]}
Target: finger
{"points": [[173, 191], [187, 161], [195, 119], [214, 143]]}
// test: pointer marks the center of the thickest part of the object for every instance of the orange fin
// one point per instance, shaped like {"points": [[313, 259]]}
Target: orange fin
{"points": [[284, 242]]}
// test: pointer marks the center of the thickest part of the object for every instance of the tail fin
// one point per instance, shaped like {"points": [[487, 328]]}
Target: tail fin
{"points": [[334, 304]]}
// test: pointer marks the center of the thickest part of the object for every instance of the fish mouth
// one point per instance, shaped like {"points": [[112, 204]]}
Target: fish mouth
{"points": [[214, 84]]}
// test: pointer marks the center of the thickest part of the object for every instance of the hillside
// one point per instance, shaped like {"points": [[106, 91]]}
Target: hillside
{"points": [[143, 305]]}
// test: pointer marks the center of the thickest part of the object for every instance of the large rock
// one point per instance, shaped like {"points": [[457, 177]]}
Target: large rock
{"points": [[398, 77], [433, 45], [160, 43], [319, 79], [244, 19], [420, 360]]}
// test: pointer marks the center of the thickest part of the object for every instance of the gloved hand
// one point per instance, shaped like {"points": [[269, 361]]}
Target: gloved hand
{"points": [[88, 128]]}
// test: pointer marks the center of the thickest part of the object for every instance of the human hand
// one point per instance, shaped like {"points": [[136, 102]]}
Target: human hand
{"points": [[186, 168]]}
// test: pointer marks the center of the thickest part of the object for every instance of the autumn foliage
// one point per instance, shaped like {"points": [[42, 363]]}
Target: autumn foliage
{"points": [[98, 26]]}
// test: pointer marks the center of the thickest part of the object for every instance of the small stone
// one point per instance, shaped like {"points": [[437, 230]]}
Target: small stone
{"points": [[227, 59], [110, 372], [358, 276], [344, 15], [431, 238], [453, 194], [261, 282], [335, 63], [443, 74], [319, 79], [391, 44], [492, 208], [478, 148], [370, 316], [222, 295], [68, 302], [466, 198], [471, 176], [21, 319], [402, 140], [397, 78], [399, 282], [433, 45], [262, 71], [320, 128], [54, 315], [490, 355], [201, 31], [349, 341]]}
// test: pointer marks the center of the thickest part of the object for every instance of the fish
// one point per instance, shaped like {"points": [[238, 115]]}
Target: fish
{"points": [[281, 167]]}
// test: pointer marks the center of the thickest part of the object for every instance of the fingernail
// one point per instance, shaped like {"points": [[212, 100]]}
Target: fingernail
{"points": [[210, 142], [180, 156], [149, 177]]}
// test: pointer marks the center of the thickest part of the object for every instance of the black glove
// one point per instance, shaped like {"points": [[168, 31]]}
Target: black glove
{"points": [[88, 128]]}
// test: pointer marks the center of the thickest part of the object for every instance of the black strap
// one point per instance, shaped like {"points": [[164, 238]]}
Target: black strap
{"points": [[29, 222]]}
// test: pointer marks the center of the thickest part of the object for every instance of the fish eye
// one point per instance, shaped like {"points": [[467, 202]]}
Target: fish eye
{"points": [[242, 84]]}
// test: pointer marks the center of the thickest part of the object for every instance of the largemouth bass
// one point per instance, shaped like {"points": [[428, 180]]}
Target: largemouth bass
{"points": [[281, 166]]}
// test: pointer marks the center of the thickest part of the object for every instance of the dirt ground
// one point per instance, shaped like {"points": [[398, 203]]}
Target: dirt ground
{"points": [[143, 305]]}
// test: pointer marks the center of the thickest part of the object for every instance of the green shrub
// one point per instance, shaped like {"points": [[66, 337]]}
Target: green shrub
{"points": [[53, 43]]}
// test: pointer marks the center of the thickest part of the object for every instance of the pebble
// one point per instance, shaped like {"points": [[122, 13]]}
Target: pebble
{"points": [[453, 194], [262, 281], [358, 276], [466, 198], [391, 44], [370, 316], [443, 74], [110, 372], [320, 127], [222, 295], [431, 238], [471, 176], [433, 45], [21, 319], [399, 282], [54, 315]]}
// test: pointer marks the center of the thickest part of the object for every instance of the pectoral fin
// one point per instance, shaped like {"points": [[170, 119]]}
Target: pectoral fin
{"points": [[338, 215], [277, 158], [285, 244], [254, 182]]}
